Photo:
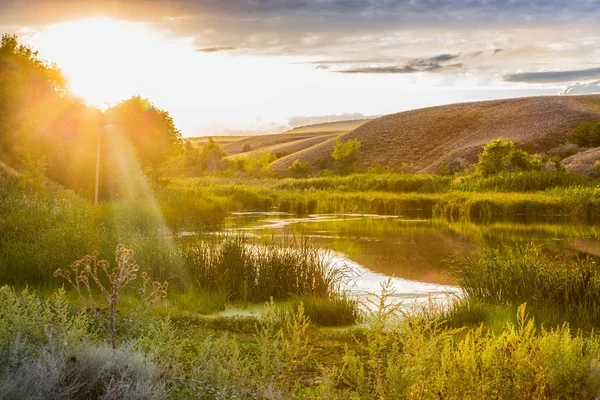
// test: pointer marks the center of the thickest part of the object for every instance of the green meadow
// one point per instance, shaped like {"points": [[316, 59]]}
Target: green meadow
{"points": [[180, 273]]}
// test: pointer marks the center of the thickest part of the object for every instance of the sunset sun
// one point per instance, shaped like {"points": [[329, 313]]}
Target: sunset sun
{"points": [[107, 60]]}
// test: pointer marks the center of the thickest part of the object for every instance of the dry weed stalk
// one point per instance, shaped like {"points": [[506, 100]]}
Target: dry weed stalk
{"points": [[85, 273]]}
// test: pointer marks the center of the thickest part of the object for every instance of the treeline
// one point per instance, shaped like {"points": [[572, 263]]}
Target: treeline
{"points": [[46, 130]]}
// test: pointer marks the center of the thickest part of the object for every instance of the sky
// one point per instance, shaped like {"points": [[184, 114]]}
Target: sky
{"points": [[262, 66]]}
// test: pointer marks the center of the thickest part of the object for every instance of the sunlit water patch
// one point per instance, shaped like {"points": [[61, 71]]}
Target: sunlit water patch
{"points": [[413, 253]]}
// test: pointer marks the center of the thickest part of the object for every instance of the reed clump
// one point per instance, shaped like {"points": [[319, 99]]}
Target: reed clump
{"points": [[257, 270], [512, 275]]}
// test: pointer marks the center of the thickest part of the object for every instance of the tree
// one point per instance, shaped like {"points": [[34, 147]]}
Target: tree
{"points": [[586, 134], [345, 154], [212, 155], [500, 155], [299, 169], [31, 93], [149, 130]]}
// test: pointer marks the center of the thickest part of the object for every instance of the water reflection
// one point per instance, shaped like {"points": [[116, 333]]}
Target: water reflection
{"points": [[413, 251]]}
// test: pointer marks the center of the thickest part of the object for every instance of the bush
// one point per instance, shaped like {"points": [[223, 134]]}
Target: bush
{"points": [[299, 169], [586, 135], [345, 154], [500, 155], [85, 372]]}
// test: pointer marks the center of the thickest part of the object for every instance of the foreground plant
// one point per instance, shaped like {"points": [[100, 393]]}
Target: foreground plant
{"points": [[87, 275]]}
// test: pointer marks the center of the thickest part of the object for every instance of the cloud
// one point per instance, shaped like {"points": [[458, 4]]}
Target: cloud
{"points": [[554, 76], [215, 49], [411, 66], [587, 88]]}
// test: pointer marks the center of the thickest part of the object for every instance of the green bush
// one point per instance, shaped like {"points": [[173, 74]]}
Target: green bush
{"points": [[500, 155], [586, 135], [345, 154], [299, 169]]}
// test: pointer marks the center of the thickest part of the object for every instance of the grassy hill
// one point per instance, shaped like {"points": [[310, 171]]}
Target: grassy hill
{"points": [[293, 140], [329, 127], [451, 136]]}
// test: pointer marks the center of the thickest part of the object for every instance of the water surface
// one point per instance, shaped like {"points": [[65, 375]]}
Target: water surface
{"points": [[413, 253]]}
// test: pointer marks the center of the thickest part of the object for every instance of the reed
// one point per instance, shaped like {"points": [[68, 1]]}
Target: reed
{"points": [[558, 286], [257, 270]]}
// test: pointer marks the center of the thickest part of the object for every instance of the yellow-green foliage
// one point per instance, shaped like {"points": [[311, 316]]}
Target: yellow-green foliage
{"points": [[299, 169], [500, 155], [251, 270], [345, 153], [586, 134], [418, 358], [514, 275]]}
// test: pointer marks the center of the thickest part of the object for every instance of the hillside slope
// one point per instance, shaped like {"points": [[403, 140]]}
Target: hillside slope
{"points": [[289, 147], [329, 127], [450, 137]]}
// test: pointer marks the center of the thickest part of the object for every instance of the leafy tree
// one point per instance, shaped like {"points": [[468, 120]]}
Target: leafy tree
{"points": [[345, 154], [299, 169], [31, 92], [586, 134], [212, 155], [149, 130], [500, 155]]}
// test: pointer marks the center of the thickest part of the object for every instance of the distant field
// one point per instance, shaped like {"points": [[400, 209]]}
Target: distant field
{"points": [[329, 127], [222, 140], [288, 142], [451, 136], [293, 146]]}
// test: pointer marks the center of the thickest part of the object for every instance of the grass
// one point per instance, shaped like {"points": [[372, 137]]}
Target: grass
{"points": [[337, 310], [250, 270], [281, 355], [557, 288], [511, 196]]}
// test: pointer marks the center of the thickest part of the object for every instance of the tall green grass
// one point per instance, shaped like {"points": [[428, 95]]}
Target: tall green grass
{"points": [[563, 288], [257, 270]]}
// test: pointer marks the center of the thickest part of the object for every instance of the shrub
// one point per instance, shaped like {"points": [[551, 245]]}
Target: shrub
{"points": [[345, 154], [500, 155], [586, 135], [299, 169], [84, 372]]}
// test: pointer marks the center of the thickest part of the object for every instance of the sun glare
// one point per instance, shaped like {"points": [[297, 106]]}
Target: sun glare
{"points": [[106, 60]]}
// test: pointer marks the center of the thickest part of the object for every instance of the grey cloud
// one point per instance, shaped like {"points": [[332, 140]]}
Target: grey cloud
{"points": [[215, 49], [430, 64], [349, 14], [554, 76], [588, 88]]}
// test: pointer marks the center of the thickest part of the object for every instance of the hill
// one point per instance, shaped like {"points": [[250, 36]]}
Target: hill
{"points": [[450, 137], [287, 147], [293, 140], [329, 127]]}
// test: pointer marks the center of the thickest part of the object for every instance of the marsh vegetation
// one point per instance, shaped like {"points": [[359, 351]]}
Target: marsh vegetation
{"points": [[201, 275]]}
